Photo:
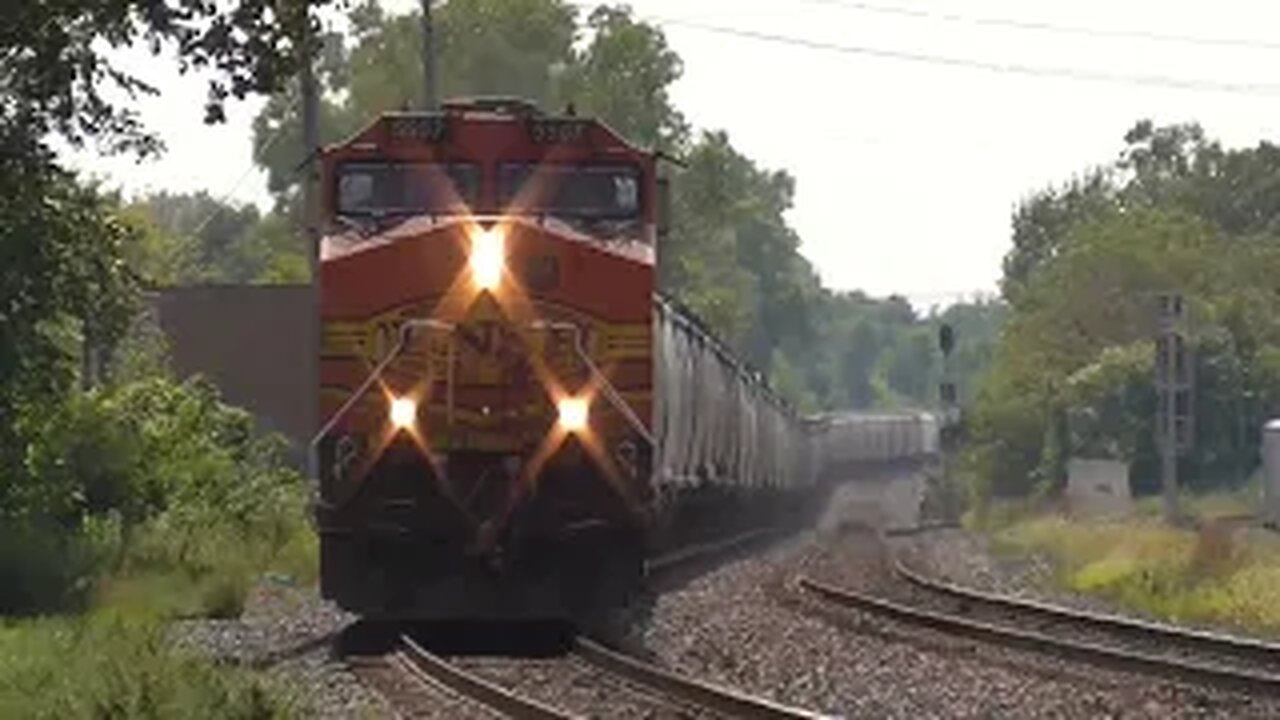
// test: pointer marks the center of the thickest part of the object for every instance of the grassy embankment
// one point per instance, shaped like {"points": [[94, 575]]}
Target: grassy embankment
{"points": [[137, 506], [1219, 574]]}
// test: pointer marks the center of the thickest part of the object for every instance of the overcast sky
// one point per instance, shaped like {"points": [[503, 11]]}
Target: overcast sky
{"points": [[907, 171]]}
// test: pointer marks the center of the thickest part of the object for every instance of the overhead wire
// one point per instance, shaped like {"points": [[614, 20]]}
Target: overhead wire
{"points": [[1017, 68], [1163, 81], [223, 202], [1017, 24]]}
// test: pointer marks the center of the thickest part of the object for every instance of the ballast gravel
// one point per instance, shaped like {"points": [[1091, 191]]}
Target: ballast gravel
{"points": [[288, 633]]}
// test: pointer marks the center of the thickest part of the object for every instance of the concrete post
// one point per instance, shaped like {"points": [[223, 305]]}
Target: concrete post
{"points": [[1271, 471]]}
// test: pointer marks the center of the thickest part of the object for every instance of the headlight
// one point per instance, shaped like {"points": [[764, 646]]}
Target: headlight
{"points": [[573, 414], [404, 412], [487, 251]]}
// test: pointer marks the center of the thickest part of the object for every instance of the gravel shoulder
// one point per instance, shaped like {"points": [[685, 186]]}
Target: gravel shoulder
{"points": [[288, 633]]}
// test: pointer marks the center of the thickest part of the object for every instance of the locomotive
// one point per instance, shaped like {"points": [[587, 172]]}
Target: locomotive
{"points": [[514, 418]]}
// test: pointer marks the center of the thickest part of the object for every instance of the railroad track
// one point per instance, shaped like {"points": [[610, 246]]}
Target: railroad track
{"points": [[668, 693], [1124, 644], [597, 679]]}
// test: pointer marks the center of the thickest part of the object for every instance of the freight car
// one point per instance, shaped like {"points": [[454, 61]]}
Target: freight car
{"points": [[513, 418], [857, 445]]}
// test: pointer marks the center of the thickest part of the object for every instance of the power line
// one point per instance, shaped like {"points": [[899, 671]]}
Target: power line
{"points": [[224, 201], [1163, 81], [1246, 43]]}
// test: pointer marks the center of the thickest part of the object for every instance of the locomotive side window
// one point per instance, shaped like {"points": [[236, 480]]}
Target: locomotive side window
{"points": [[594, 192], [386, 188]]}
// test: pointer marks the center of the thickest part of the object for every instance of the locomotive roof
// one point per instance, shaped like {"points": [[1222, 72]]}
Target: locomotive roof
{"points": [[434, 123]]}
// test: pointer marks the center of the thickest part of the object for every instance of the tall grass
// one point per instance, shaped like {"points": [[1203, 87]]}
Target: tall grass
{"points": [[1218, 574], [110, 664]]}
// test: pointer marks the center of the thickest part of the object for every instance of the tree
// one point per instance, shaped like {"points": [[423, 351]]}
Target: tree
{"points": [[486, 47], [1041, 224], [1176, 212], [623, 78], [65, 281], [62, 278], [194, 238], [56, 72]]}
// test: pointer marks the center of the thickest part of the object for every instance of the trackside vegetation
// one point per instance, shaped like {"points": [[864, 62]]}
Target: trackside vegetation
{"points": [[1072, 374], [126, 499], [138, 504], [1219, 575]]}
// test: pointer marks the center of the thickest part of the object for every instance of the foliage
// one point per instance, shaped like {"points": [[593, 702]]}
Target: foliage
{"points": [[194, 238], [1106, 401], [485, 47], [630, 55], [83, 476], [1073, 370], [63, 280], [114, 665], [58, 75], [1218, 574], [150, 477]]}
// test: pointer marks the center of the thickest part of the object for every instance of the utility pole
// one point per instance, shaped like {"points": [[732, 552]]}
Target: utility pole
{"points": [[429, 96], [1174, 378], [311, 223]]}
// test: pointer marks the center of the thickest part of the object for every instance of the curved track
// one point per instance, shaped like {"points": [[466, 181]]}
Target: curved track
{"points": [[725, 702], [1123, 644], [605, 682], [416, 660]]}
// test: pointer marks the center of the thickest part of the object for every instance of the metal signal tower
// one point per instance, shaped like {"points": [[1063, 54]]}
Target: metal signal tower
{"points": [[1175, 384]]}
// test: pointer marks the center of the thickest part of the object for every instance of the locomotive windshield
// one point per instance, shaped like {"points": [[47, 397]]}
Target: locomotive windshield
{"points": [[587, 192], [393, 188]]}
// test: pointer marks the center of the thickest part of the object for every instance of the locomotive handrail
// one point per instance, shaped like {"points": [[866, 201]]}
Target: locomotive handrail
{"points": [[606, 387], [406, 332]]}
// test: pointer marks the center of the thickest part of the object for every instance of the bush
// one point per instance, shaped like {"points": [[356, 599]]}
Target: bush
{"points": [[150, 478], [45, 569]]}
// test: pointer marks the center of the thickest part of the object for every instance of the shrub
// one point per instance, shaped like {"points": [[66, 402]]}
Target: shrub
{"points": [[149, 478]]}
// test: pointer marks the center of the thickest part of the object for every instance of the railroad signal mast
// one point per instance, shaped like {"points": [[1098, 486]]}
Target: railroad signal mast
{"points": [[949, 424], [1175, 386]]}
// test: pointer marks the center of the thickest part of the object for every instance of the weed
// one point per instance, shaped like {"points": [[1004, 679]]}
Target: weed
{"points": [[1216, 574]]}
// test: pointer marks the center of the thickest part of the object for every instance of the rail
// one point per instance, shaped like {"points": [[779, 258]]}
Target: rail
{"points": [[722, 700], [1212, 641], [434, 669], [1124, 660]]}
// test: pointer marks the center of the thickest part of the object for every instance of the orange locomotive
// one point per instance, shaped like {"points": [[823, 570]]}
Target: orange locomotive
{"points": [[486, 366], [513, 418]]}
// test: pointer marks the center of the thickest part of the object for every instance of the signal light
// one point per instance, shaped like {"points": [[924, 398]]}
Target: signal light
{"points": [[487, 261]]}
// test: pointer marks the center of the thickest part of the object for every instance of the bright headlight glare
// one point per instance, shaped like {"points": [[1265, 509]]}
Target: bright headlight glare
{"points": [[487, 250], [573, 414], [404, 412]]}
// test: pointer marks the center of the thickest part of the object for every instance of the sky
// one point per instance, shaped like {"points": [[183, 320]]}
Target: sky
{"points": [[907, 171]]}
